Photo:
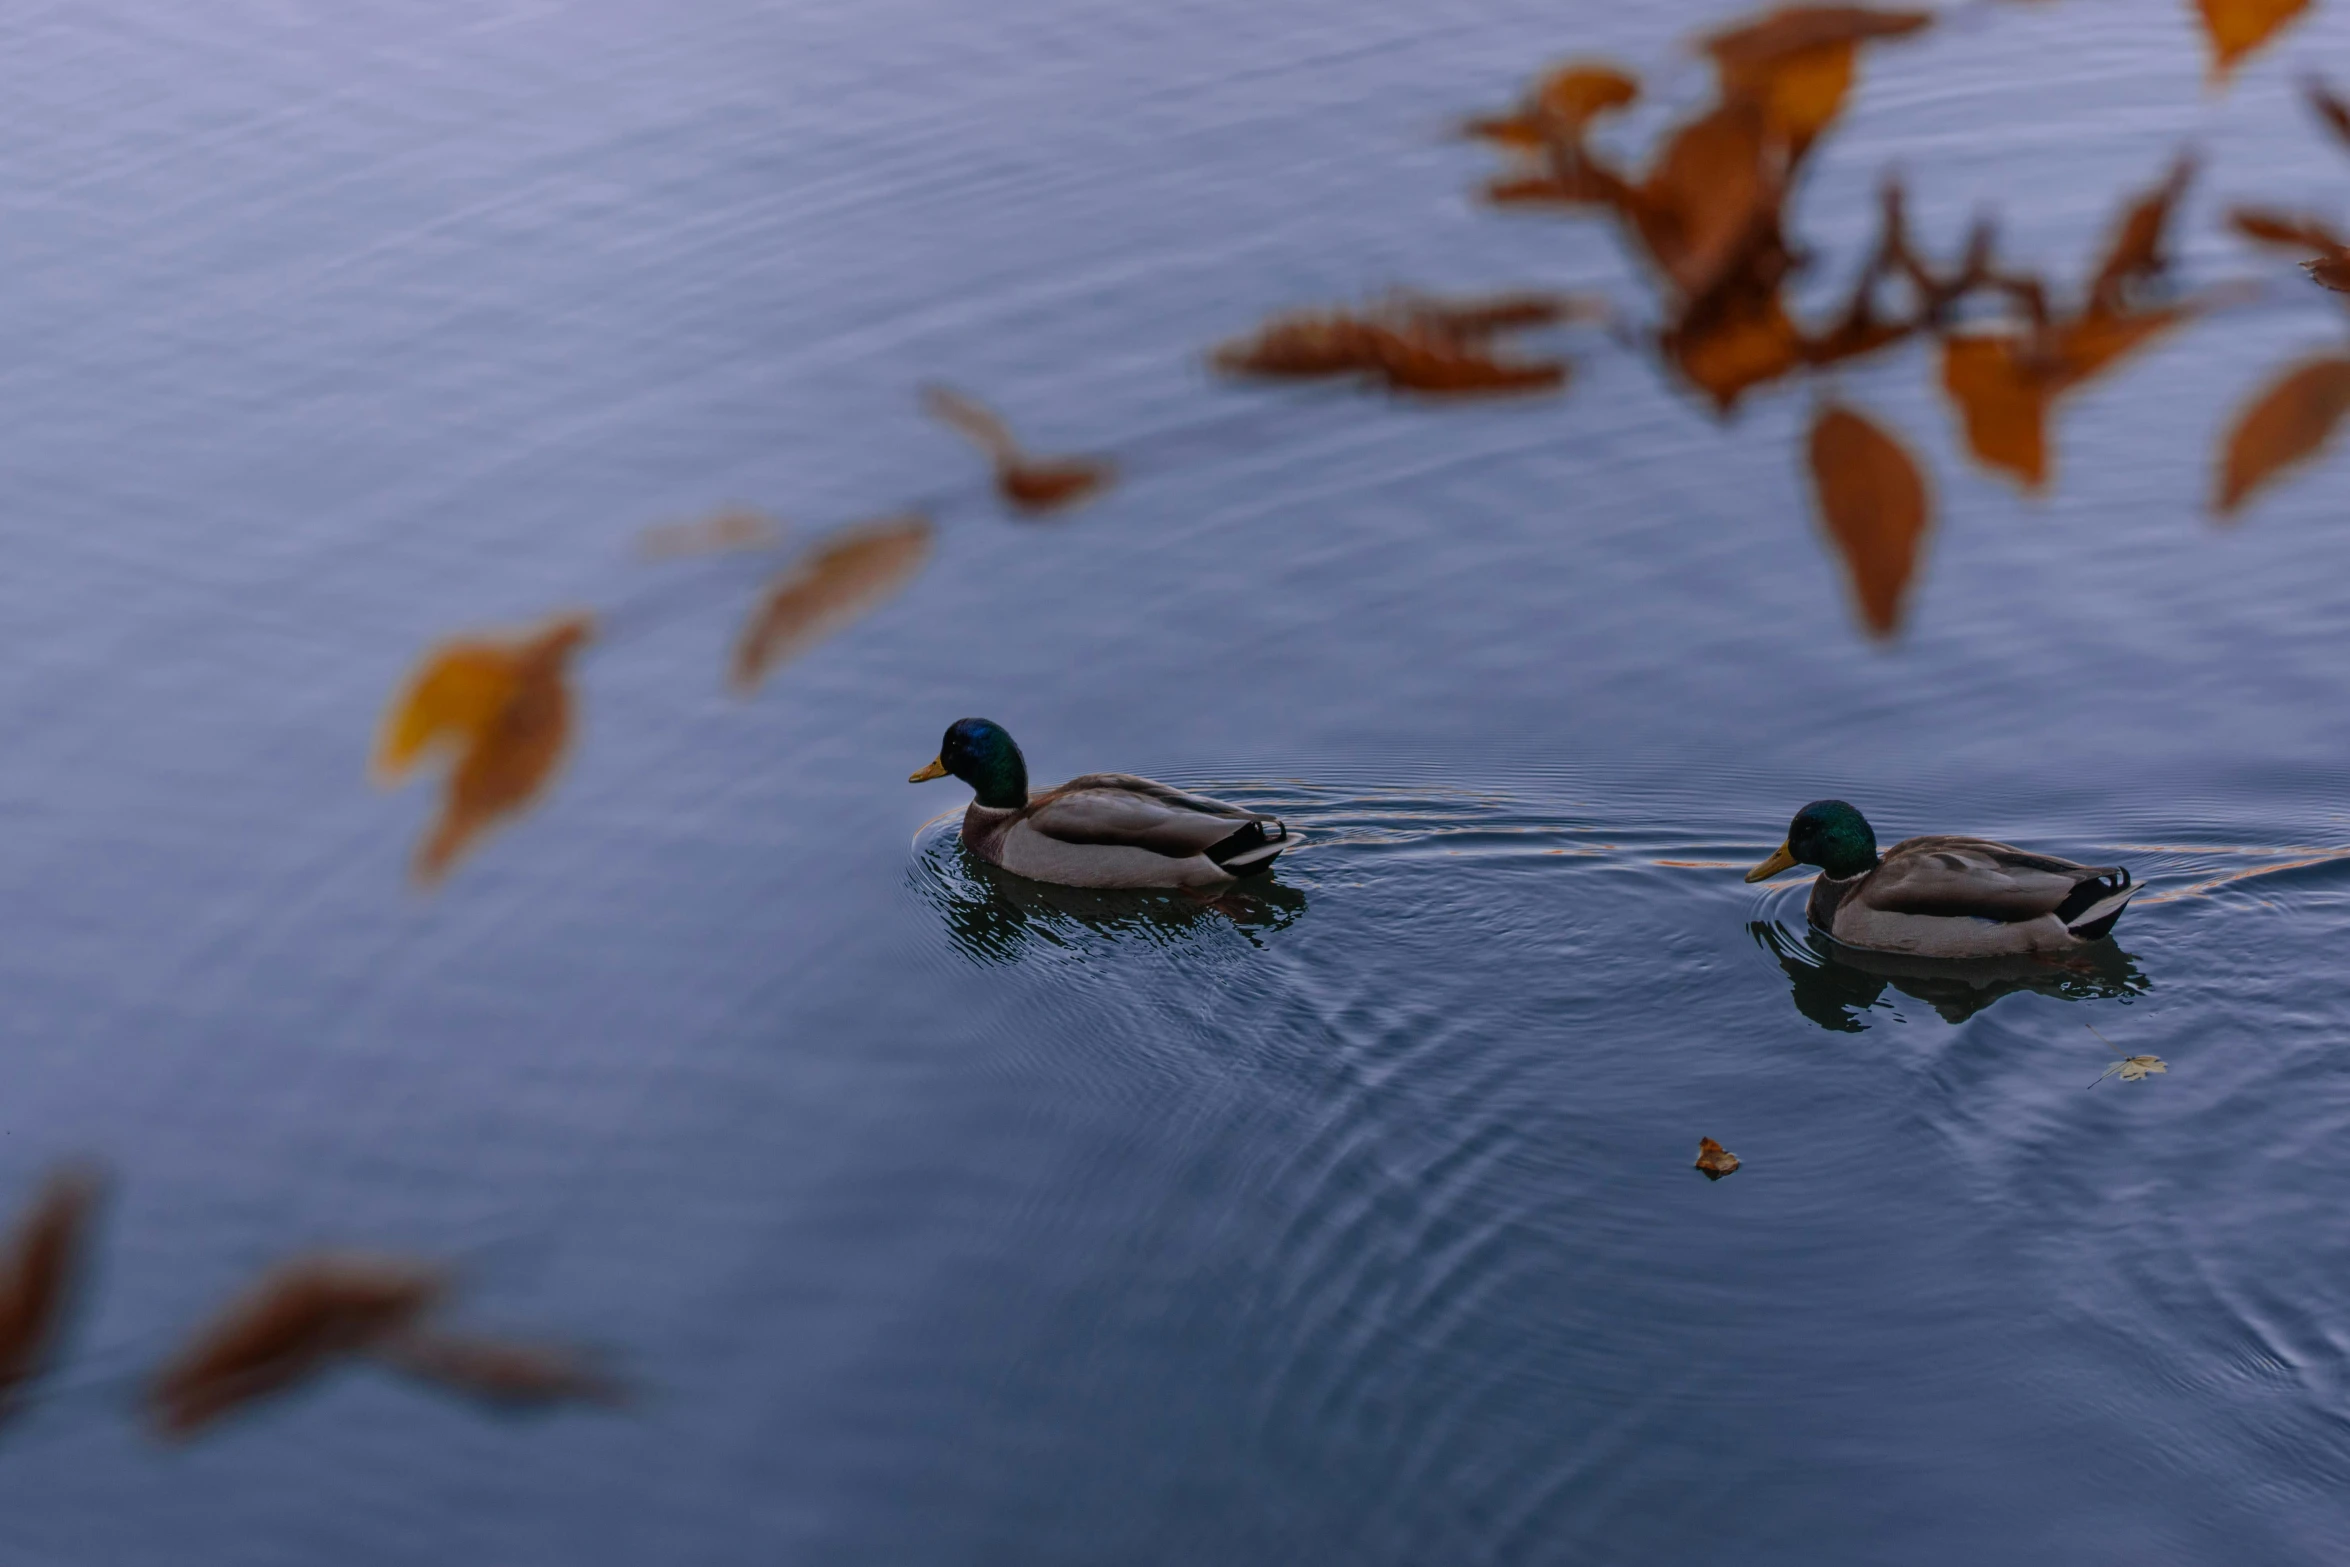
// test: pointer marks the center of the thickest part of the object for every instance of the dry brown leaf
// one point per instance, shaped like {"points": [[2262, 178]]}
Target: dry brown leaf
{"points": [[1713, 190], [1473, 318], [514, 748], [727, 531], [499, 1371], [2237, 27], [833, 584], [2094, 344], [2135, 254], [2328, 105], [1796, 64], [2288, 423], [1033, 484], [2004, 401], [296, 1321], [1873, 502], [37, 1276], [1715, 1160]]}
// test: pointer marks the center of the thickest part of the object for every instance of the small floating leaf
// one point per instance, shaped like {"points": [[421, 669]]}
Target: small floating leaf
{"points": [[1715, 1160], [300, 1318], [38, 1272], [2237, 27], [2288, 423], [1873, 502], [836, 582]]}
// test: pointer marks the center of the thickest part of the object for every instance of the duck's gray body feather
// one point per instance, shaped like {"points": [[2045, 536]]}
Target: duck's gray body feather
{"points": [[1959, 897], [1117, 830]]}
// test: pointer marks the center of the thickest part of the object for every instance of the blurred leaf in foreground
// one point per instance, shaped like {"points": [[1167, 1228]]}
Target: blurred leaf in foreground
{"points": [[2328, 106], [1032, 484], [1873, 502], [1561, 104], [499, 1372], [504, 706], [2329, 258], [2287, 423], [1410, 342], [838, 580], [1796, 64], [2136, 254], [38, 1274], [2237, 27], [1715, 1160], [300, 1318], [730, 530], [2006, 383]]}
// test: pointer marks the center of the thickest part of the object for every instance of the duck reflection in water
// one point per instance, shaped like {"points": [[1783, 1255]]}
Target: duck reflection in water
{"points": [[993, 916], [1834, 985]]}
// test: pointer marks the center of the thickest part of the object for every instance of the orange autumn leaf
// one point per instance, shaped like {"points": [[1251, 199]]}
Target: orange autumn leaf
{"points": [[1562, 103], [836, 582], [449, 702], [1715, 1160], [38, 1272], [2237, 27], [2003, 401], [2287, 424], [1439, 366], [300, 1318], [1873, 502], [1032, 484], [1304, 345], [1746, 341], [1707, 197], [1796, 64], [2095, 343]]}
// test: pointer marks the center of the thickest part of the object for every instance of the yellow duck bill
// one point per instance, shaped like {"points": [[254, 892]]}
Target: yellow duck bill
{"points": [[1772, 866], [936, 769]]}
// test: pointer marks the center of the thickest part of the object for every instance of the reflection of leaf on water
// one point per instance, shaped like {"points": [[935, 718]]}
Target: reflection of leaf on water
{"points": [[2130, 1069], [995, 917], [37, 1277], [1833, 985]]}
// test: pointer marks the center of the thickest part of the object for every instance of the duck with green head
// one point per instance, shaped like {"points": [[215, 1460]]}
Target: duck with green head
{"points": [[1100, 830], [1945, 896]]}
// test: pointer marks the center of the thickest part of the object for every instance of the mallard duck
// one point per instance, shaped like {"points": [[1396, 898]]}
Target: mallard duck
{"points": [[1944, 897], [1101, 830]]}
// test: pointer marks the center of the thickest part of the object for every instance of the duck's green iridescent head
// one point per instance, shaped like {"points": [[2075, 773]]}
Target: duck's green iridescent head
{"points": [[978, 751], [1826, 833]]}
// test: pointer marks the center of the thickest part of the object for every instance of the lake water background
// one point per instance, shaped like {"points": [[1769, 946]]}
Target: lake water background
{"points": [[943, 1220]]}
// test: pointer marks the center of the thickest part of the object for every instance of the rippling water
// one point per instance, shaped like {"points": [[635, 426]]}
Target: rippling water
{"points": [[945, 1218]]}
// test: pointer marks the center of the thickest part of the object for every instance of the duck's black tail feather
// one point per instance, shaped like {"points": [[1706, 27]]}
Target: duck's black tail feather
{"points": [[1254, 847], [2090, 909]]}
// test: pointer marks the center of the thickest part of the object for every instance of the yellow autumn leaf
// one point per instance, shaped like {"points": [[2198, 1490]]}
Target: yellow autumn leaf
{"points": [[2003, 403], [454, 693]]}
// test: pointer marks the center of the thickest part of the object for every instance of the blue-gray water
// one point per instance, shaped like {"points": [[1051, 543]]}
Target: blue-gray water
{"points": [[949, 1222]]}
